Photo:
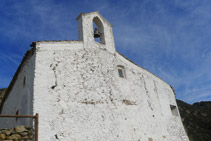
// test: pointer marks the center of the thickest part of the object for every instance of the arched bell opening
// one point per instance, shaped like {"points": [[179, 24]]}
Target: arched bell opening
{"points": [[98, 31]]}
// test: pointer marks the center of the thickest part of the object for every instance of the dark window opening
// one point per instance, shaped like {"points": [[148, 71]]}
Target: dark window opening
{"points": [[24, 81], [17, 113], [174, 110], [121, 71]]}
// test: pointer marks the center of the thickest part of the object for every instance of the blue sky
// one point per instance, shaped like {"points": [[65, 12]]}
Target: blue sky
{"points": [[170, 38]]}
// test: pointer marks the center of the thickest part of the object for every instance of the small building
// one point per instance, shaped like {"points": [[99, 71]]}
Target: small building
{"points": [[86, 91]]}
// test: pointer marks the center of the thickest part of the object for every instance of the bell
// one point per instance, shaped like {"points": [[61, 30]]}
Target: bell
{"points": [[96, 33]]}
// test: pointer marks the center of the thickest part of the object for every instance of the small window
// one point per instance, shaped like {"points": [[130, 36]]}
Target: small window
{"points": [[17, 113], [174, 110], [24, 81], [121, 71]]}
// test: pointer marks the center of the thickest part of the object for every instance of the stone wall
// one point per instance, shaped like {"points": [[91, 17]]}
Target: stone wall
{"points": [[18, 133]]}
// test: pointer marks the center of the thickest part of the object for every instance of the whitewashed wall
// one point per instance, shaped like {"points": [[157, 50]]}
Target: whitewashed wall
{"points": [[80, 97], [20, 97]]}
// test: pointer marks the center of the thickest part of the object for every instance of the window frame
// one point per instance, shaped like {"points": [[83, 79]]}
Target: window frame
{"points": [[121, 71]]}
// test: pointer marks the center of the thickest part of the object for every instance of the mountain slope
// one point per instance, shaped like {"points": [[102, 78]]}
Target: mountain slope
{"points": [[196, 119]]}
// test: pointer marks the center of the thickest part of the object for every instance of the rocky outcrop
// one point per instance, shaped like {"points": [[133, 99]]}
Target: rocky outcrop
{"points": [[16, 134]]}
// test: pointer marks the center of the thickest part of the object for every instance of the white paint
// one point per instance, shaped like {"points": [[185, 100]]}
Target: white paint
{"points": [[80, 96]]}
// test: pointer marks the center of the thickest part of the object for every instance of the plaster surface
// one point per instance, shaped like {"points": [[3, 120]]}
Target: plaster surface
{"points": [[80, 96]]}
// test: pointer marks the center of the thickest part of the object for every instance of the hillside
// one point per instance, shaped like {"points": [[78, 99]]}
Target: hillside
{"points": [[196, 119]]}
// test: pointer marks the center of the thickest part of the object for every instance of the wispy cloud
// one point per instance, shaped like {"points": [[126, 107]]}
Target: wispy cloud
{"points": [[10, 58]]}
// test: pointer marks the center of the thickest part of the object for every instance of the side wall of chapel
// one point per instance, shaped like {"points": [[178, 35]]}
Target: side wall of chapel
{"points": [[20, 98]]}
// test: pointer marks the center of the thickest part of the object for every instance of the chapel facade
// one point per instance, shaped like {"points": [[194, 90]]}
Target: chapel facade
{"points": [[86, 91]]}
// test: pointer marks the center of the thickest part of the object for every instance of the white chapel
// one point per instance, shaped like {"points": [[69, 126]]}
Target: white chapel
{"points": [[85, 90]]}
